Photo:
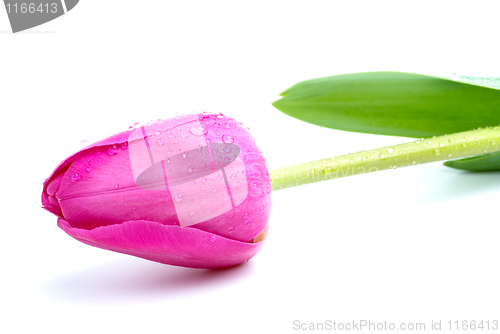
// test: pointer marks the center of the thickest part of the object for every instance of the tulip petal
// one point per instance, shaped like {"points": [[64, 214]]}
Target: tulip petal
{"points": [[107, 194], [166, 244], [191, 191], [97, 186], [50, 204], [49, 200], [121, 137]]}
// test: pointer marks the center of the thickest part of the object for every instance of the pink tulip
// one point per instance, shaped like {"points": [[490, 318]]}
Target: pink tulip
{"points": [[191, 191]]}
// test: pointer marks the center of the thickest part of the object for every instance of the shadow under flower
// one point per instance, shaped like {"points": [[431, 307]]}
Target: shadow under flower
{"points": [[135, 279], [455, 184]]}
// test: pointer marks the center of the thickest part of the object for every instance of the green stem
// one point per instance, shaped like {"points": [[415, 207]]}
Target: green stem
{"points": [[447, 147]]}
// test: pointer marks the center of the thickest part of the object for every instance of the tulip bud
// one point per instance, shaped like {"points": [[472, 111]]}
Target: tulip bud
{"points": [[191, 191]]}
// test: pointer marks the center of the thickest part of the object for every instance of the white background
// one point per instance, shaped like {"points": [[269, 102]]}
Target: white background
{"points": [[412, 245]]}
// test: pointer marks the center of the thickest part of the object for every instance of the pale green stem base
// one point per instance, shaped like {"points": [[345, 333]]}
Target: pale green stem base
{"points": [[447, 147]]}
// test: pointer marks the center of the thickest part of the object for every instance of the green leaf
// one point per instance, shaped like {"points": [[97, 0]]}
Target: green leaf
{"points": [[398, 104], [480, 163], [392, 103]]}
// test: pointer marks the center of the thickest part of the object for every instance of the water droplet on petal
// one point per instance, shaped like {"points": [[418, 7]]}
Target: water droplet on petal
{"points": [[178, 198], [185, 155], [228, 139], [390, 150], [198, 130], [190, 169], [437, 152], [75, 177], [351, 161], [159, 121], [364, 158], [451, 141], [464, 144], [227, 149], [212, 238], [381, 155], [117, 185], [124, 146], [161, 141], [112, 150]]}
